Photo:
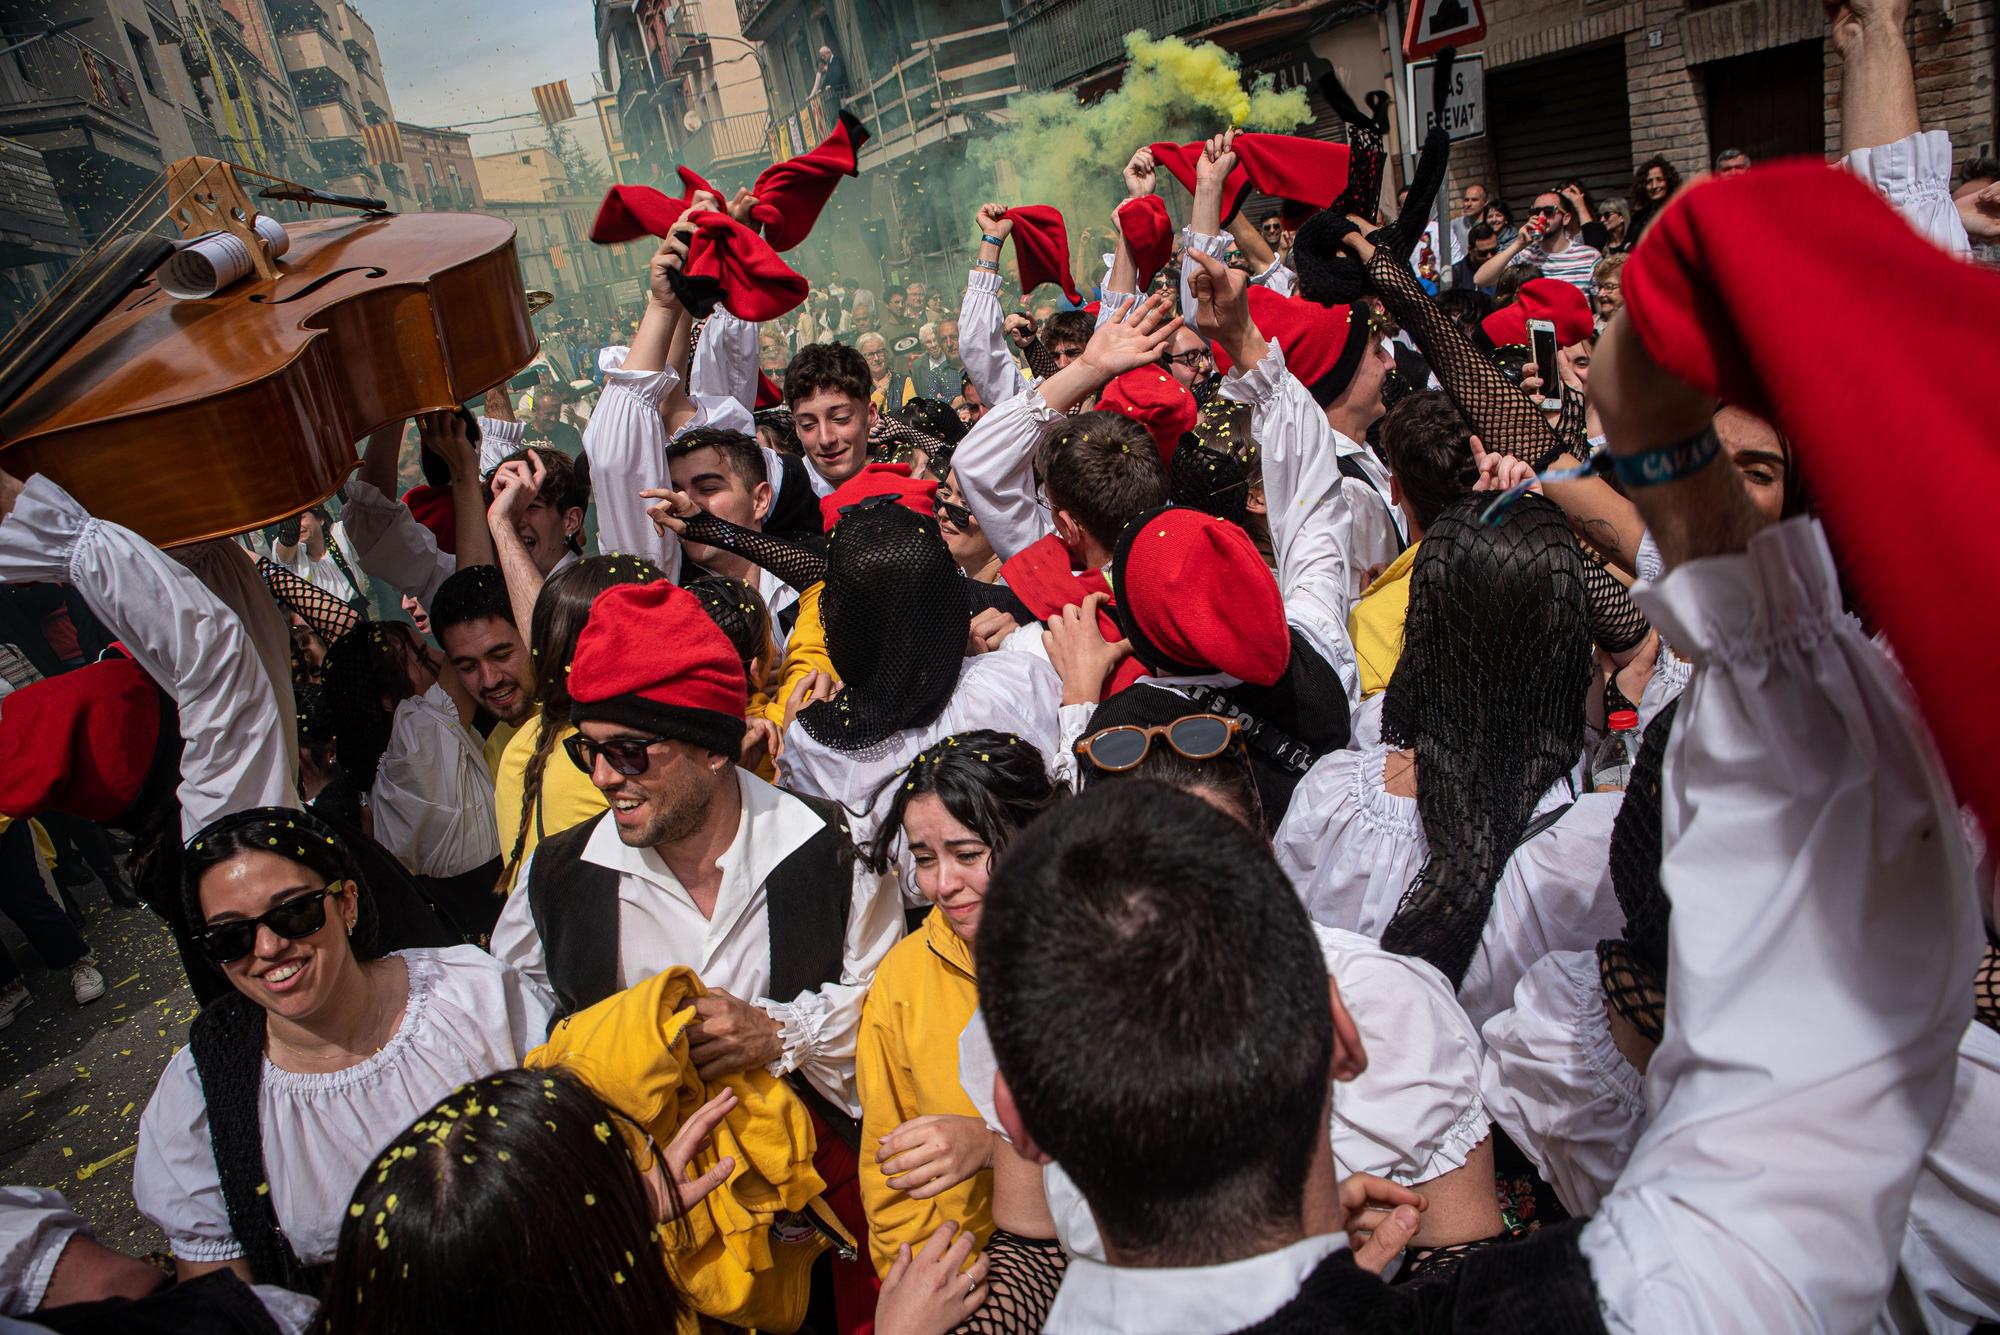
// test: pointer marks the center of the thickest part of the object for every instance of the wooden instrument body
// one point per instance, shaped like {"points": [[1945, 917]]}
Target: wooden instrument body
{"points": [[185, 420]]}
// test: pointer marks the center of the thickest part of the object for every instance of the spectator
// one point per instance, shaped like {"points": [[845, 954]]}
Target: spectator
{"points": [[1481, 245], [891, 389], [1610, 291], [1653, 184], [1471, 210], [1550, 242], [1501, 219], [1614, 216], [937, 372], [1731, 161]]}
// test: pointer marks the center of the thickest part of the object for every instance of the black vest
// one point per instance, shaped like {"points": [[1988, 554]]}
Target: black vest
{"points": [[575, 907], [1536, 1285]]}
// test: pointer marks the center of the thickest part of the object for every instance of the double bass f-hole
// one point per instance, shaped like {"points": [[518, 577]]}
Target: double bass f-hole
{"points": [[365, 270]]}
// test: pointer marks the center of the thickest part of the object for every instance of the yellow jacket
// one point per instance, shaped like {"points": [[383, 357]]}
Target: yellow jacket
{"points": [[568, 796], [1376, 623], [906, 1065], [746, 1258], [45, 848], [805, 650]]}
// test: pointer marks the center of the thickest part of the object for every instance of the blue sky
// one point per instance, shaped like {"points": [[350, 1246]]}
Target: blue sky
{"points": [[451, 61]]}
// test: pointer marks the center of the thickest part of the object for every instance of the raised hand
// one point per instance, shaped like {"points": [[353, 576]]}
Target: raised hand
{"points": [[741, 204], [1081, 655], [1222, 301], [1134, 339], [670, 510], [516, 483], [670, 257], [443, 433], [1218, 159], [993, 221], [1500, 472], [1141, 173]]}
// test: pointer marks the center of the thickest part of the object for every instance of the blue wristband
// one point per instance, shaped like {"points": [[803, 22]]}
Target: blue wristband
{"points": [[992, 240], [1668, 463]]}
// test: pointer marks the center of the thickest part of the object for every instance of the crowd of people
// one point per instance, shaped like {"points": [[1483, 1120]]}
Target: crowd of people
{"points": [[1237, 800]]}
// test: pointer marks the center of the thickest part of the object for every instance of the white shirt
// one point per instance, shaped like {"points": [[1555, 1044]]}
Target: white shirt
{"points": [[1826, 919], [1914, 175], [391, 545], [236, 752], [659, 926], [1352, 849], [1018, 694], [982, 343], [218, 563], [995, 467], [433, 795], [467, 1016], [323, 573], [724, 364], [1196, 1300], [1557, 1084]]}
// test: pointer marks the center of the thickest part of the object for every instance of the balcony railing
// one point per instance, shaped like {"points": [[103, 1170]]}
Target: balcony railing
{"points": [[208, 141], [60, 71], [749, 11], [726, 139], [1058, 43]]}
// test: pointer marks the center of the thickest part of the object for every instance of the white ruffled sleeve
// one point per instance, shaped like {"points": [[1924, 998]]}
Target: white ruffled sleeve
{"points": [[982, 342], [433, 795], [1821, 951], [1416, 1112], [391, 545], [1914, 175], [235, 751], [174, 1180], [35, 1225], [995, 468], [626, 443], [1557, 1084]]}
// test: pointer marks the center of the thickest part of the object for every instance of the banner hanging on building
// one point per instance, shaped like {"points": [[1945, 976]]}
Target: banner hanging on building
{"points": [[553, 103], [383, 142]]}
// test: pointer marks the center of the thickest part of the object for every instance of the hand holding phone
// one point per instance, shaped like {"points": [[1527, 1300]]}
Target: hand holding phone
{"points": [[1542, 347]]}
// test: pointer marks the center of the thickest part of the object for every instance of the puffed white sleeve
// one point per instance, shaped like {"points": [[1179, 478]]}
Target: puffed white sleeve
{"points": [[174, 1179], [725, 361], [982, 342], [1556, 1083], [1914, 175], [626, 443], [819, 1029], [1821, 952], [1415, 1113], [995, 467], [1309, 511], [35, 1225], [1214, 246], [433, 795], [234, 748], [497, 440], [391, 545]]}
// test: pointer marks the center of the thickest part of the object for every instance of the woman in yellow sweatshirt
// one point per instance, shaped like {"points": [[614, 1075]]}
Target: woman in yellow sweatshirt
{"points": [[926, 1154]]}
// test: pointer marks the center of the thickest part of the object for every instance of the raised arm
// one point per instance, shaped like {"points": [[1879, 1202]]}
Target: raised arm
{"points": [[235, 749], [388, 542], [982, 336], [1883, 140], [1824, 929]]}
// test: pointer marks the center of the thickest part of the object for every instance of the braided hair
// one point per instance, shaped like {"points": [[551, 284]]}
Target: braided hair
{"points": [[992, 783], [532, 1156], [561, 609], [227, 1038], [1489, 693]]}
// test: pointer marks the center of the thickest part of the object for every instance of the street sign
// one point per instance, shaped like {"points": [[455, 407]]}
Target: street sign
{"points": [[1436, 24], [1464, 106]]}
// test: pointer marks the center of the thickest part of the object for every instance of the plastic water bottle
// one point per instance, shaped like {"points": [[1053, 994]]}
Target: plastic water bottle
{"points": [[1611, 767]]}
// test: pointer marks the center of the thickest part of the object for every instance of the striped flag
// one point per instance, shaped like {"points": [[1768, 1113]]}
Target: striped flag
{"points": [[552, 101], [384, 142]]}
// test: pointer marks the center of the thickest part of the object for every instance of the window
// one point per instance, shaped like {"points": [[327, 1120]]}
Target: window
{"points": [[431, 173], [527, 160], [142, 55]]}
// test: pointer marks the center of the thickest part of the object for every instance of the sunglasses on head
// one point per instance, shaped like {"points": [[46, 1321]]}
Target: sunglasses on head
{"points": [[627, 755], [1197, 737], [295, 919]]}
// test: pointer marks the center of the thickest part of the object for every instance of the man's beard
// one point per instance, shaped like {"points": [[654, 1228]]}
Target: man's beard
{"points": [[680, 813]]}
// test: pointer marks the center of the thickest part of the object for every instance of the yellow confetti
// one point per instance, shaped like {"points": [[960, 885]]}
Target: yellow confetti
{"points": [[589, 1198], [89, 1171], [68, 1153], [126, 1111], [357, 1209]]}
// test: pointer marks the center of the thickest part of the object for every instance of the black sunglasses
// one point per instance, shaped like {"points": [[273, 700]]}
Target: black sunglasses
{"points": [[295, 919], [957, 516], [1193, 358], [627, 755], [1198, 737], [1545, 211]]}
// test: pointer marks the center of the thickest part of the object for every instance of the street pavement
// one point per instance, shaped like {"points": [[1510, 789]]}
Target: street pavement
{"points": [[75, 1078]]}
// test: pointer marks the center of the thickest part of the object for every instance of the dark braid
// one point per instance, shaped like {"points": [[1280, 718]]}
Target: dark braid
{"points": [[1489, 692], [561, 609]]}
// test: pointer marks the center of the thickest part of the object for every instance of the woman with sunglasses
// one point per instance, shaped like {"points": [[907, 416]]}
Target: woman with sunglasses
{"points": [[927, 1157], [292, 1083], [1414, 1115]]}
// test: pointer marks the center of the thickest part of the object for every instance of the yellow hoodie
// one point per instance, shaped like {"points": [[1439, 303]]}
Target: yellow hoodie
{"points": [[906, 1065], [1375, 624], [748, 1253]]}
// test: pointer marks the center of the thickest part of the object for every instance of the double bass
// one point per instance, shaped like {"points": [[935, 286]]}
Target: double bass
{"points": [[193, 419]]}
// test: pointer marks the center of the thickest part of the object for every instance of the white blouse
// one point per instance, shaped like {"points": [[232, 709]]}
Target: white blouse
{"points": [[1414, 1114], [1556, 1083], [1352, 849], [433, 795], [1014, 693], [467, 1016]]}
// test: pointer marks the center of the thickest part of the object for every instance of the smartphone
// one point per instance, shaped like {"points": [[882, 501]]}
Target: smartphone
{"points": [[1542, 343]]}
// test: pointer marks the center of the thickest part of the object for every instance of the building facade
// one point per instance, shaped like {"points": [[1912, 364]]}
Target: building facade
{"points": [[443, 174], [530, 189], [329, 55], [1592, 87]]}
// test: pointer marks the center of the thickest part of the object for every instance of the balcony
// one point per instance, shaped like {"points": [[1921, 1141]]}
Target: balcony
{"points": [[727, 140], [330, 120], [751, 14], [59, 95], [1058, 43], [208, 141], [290, 16]]}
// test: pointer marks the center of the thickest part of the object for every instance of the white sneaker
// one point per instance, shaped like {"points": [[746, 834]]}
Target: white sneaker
{"points": [[12, 1000], [86, 982]]}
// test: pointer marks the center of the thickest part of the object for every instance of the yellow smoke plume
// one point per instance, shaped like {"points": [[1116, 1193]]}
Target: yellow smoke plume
{"points": [[1056, 150]]}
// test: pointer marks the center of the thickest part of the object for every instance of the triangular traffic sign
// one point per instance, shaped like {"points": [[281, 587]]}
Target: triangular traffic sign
{"points": [[1436, 24]]}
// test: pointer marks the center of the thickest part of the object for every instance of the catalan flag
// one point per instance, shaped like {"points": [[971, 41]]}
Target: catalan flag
{"points": [[383, 142], [553, 102]]}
